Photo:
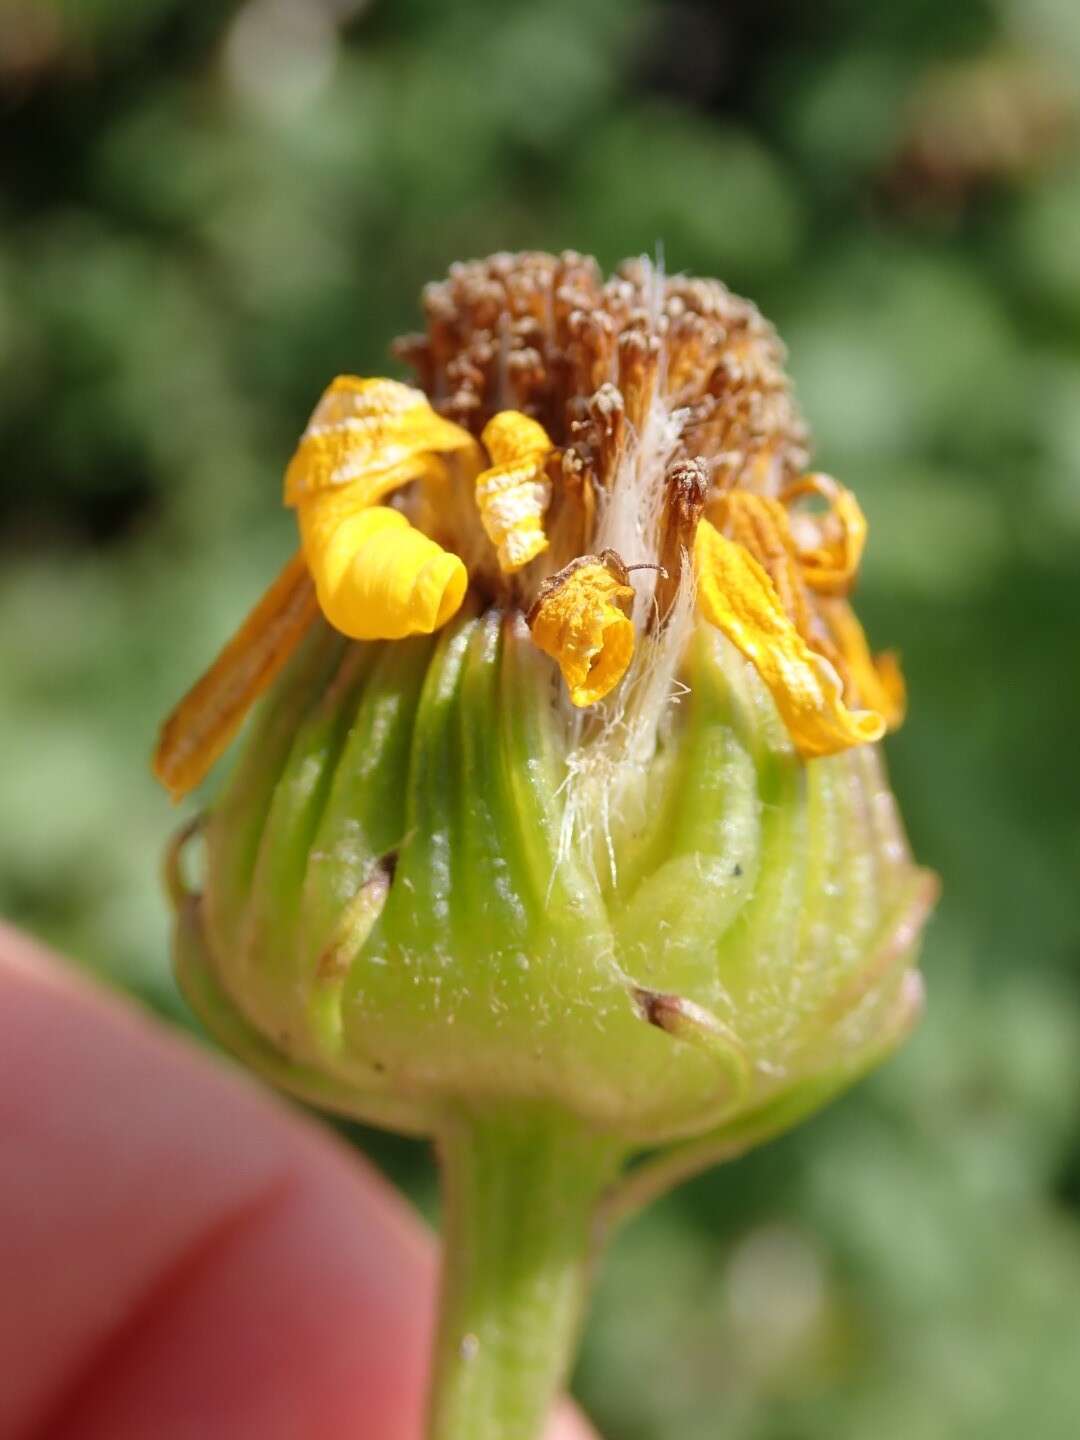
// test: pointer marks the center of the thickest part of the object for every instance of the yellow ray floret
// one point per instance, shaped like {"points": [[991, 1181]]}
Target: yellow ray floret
{"points": [[831, 553], [581, 618], [373, 575], [761, 525], [513, 494], [209, 715], [378, 577], [377, 433], [737, 596], [875, 680]]}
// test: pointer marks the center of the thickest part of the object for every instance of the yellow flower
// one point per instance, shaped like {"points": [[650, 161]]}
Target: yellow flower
{"points": [[402, 507]]}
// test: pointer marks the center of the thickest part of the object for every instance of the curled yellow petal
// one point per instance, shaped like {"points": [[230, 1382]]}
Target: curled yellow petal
{"points": [[376, 576], [831, 554], [737, 596], [209, 715], [378, 433], [874, 680], [581, 618], [513, 494]]}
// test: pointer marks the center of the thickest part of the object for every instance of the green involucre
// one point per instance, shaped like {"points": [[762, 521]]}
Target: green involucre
{"points": [[395, 912]]}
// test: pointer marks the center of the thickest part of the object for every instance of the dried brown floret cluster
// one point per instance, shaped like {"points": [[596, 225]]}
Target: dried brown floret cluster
{"points": [[548, 336]]}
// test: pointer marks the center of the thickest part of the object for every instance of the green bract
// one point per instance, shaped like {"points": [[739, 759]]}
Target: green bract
{"points": [[399, 918]]}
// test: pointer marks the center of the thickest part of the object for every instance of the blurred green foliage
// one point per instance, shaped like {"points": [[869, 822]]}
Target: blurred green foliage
{"points": [[208, 211]]}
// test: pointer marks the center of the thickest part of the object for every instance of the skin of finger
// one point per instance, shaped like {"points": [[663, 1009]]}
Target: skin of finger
{"points": [[182, 1256]]}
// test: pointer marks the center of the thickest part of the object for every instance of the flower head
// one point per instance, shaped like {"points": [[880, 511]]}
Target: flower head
{"points": [[570, 789]]}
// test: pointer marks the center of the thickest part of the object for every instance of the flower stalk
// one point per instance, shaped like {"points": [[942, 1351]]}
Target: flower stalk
{"points": [[521, 1193]]}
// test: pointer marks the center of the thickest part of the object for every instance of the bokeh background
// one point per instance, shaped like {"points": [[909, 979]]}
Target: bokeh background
{"points": [[208, 210]]}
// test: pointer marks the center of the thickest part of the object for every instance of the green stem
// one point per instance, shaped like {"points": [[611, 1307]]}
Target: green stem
{"points": [[520, 1196]]}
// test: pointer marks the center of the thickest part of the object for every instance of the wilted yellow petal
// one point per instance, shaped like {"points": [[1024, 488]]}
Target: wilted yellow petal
{"points": [[513, 494], [737, 596], [210, 714], [377, 577], [875, 680], [831, 562], [378, 432], [581, 618], [761, 525], [366, 438]]}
